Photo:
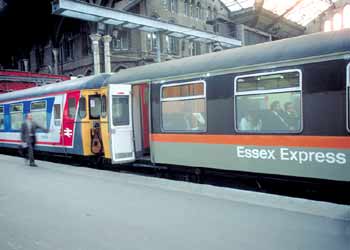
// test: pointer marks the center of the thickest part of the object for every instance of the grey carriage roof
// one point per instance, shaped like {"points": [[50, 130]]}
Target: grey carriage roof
{"points": [[288, 49], [317, 44], [89, 82]]}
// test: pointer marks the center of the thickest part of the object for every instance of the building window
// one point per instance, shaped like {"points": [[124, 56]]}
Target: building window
{"points": [[172, 45], [337, 21], [195, 48], [71, 107], [210, 14], [82, 107], [151, 42], [120, 39], [68, 48], [39, 114], [172, 6], [16, 116], [2, 118], [198, 10], [120, 110], [192, 8], [187, 7], [327, 26], [184, 107], [215, 13], [95, 106], [346, 16], [268, 102], [85, 44]]}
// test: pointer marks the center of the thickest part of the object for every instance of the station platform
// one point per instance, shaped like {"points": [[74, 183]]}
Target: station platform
{"points": [[60, 207]]}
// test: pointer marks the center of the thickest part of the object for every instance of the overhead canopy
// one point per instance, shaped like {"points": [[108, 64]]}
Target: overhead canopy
{"points": [[90, 12], [298, 11]]}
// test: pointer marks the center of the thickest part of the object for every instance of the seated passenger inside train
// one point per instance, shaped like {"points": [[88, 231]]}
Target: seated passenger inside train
{"points": [[250, 122]]}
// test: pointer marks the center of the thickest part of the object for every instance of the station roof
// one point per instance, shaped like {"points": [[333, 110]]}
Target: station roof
{"points": [[298, 11]]}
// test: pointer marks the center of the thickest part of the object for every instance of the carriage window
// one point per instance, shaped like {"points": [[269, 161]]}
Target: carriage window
{"points": [[82, 107], [348, 94], [57, 114], [71, 107], [57, 111], [16, 116], [95, 106], [103, 106], [269, 103], [2, 121], [120, 110], [184, 107], [38, 111]]}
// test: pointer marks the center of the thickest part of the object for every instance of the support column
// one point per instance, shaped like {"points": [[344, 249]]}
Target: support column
{"points": [[26, 65], [158, 47], [95, 38], [55, 60], [107, 48]]}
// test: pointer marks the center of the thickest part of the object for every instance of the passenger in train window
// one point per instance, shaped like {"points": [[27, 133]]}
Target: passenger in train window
{"points": [[250, 122], [273, 119], [28, 138], [290, 116]]}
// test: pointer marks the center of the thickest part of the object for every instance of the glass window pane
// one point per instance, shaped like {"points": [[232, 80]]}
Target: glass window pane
{"points": [[120, 110], [279, 112], [16, 108], [39, 117], [57, 111], [104, 106], [337, 21], [327, 26], [185, 90], [95, 106], [184, 115], [82, 107], [37, 105], [71, 107], [16, 116], [269, 82], [346, 16], [349, 107], [38, 111]]}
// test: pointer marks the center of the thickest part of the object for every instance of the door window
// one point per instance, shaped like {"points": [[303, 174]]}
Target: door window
{"points": [[120, 110]]}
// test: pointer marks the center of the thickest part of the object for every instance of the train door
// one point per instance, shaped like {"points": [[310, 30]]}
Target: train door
{"points": [[140, 118], [121, 126]]}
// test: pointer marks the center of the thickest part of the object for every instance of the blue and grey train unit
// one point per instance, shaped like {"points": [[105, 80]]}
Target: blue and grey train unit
{"points": [[279, 108]]}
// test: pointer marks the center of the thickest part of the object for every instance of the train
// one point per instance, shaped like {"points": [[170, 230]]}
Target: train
{"points": [[280, 108]]}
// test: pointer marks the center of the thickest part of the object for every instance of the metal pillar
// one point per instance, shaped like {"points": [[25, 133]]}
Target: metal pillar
{"points": [[158, 46], [55, 60], [26, 65], [95, 38]]}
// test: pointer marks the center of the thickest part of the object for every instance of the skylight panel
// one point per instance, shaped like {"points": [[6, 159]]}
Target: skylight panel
{"points": [[301, 12], [235, 5]]}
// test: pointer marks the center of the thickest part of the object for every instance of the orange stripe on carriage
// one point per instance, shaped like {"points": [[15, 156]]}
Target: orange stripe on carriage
{"points": [[338, 142]]}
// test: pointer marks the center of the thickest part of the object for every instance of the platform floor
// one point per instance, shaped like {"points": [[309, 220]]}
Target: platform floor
{"points": [[59, 207]]}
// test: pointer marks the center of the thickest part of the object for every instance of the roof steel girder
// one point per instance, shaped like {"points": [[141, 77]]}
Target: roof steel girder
{"points": [[89, 12]]}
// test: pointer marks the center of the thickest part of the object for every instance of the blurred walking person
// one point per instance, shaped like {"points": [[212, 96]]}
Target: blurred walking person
{"points": [[28, 138]]}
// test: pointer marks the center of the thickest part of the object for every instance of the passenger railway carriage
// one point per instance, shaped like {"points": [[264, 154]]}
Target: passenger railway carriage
{"points": [[279, 108]]}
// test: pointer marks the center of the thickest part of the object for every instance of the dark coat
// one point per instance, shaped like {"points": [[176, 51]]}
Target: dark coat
{"points": [[25, 133]]}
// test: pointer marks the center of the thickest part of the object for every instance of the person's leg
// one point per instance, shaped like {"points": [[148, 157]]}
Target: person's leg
{"points": [[31, 154]]}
